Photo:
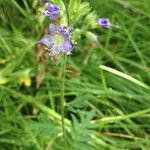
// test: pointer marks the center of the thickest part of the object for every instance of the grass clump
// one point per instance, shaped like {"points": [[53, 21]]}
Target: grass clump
{"points": [[107, 86]]}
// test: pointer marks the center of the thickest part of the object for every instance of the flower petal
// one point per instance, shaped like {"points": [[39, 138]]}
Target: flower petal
{"points": [[55, 10], [52, 11], [52, 29], [54, 51], [48, 6], [67, 47], [47, 41], [53, 17], [52, 8]]}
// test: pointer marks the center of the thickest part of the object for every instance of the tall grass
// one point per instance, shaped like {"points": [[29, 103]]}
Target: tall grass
{"points": [[107, 86]]}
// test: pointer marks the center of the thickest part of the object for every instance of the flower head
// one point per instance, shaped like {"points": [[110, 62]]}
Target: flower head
{"points": [[51, 11], [104, 22], [57, 41]]}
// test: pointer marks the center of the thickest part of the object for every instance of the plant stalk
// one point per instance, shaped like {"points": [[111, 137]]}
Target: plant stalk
{"points": [[62, 98]]}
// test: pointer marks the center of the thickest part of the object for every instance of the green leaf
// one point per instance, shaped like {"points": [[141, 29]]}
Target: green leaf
{"points": [[84, 9], [91, 20], [74, 7]]}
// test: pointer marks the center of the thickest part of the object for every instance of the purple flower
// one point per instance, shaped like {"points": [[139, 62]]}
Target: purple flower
{"points": [[51, 11], [57, 41], [104, 22]]}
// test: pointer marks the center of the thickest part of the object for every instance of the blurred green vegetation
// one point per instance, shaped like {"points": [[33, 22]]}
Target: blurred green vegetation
{"points": [[105, 109]]}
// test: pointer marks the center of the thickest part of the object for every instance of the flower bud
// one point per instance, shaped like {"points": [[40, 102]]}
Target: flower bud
{"points": [[91, 36], [104, 22]]}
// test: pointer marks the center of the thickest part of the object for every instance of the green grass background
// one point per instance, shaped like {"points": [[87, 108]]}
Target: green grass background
{"points": [[105, 109]]}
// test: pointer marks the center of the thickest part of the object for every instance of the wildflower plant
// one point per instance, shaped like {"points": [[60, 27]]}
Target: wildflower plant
{"points": [[67, 26]]}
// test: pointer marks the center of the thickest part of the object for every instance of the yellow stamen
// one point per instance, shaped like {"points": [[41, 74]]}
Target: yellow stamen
{"points": [[46, 4], [46, 40], [66, 30]]}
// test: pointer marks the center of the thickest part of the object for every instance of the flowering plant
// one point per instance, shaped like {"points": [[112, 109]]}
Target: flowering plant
{"points": [[65, 30]]}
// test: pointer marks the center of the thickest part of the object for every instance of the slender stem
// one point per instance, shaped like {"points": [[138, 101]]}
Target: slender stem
{"points": [[62, 99]]}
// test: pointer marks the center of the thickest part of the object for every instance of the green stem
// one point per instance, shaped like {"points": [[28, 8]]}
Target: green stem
{"points": [[62, 98]]}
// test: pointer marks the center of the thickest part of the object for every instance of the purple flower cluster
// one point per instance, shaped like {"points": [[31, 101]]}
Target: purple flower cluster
{"points": [[51, 11], [57, 41]]}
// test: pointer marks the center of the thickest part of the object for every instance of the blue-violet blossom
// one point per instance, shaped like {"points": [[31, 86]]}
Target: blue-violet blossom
{"points": [[51, 11], [58, 40], [104, 22]]}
